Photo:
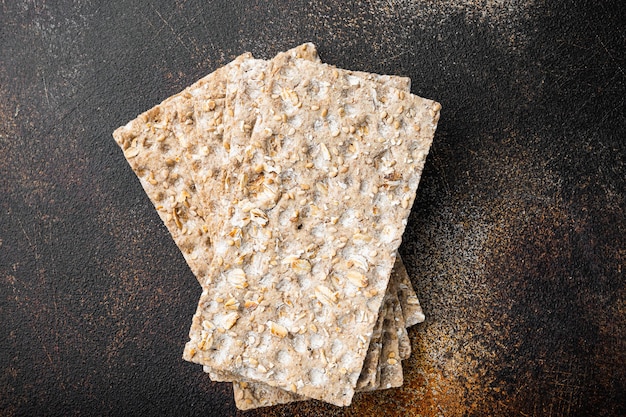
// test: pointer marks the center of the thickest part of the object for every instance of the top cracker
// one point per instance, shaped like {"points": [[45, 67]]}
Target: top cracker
{"points": [[319, 199]]}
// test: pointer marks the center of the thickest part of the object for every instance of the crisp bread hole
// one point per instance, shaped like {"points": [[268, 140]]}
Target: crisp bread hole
{"points": [[266, 341], [385, 130], [333, 124], [266, 281], [305, 282], [288, 144], [348, 219], [350, 110], [283, 357], [317, 341], [313, 87], [372, 305], [222, 354], [253, 92], [318, 231], [347, 359], [290, 72], [364, 188], [388, 234], [323, 90], [319, 269], [336, 348], [285, 216], [317, 376], [295, 121], [285, 286], [288, 108], [352, 80], [279, 376], [299, 344], [288, 179]]}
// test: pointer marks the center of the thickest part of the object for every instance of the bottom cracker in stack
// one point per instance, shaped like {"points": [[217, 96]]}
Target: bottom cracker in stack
{"points": [[317, 168]]}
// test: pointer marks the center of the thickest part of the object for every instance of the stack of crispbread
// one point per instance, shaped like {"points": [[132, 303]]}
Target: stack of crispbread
{"points": [[287, 184]]}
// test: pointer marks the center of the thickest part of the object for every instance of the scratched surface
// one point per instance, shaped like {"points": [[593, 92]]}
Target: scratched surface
{"points": [[516, 243]]}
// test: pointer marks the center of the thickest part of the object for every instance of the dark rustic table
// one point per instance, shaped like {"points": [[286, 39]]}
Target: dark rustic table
{"points": [[516, 244]]}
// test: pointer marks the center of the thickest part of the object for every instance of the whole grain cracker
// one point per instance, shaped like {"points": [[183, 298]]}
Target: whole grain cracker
{"points": [[401, 148], [404, 342], [209, 120], [233, 118], [369, 369], [241, 115], [389, 373], [392, 324], [411, 308], [162, 147], [255, 394]]}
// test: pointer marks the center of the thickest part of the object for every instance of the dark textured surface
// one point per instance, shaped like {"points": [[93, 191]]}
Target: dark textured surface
{"points": [[516, 243]]}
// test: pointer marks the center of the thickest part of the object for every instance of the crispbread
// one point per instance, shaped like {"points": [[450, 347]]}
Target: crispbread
{"points": [[389, 373], [255, 395], [249, 395], [209, 120], [404, 349], [411, 308], [167, 146], [392, 325], [271, 194], [205, 147]]}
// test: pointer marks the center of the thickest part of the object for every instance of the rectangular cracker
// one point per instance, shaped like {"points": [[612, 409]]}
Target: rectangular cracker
{"points": [[389, 373], [197, 143], [328, 381], [210, 163], [247, 118], [240, 116], [151, 147], [168, 147]]}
